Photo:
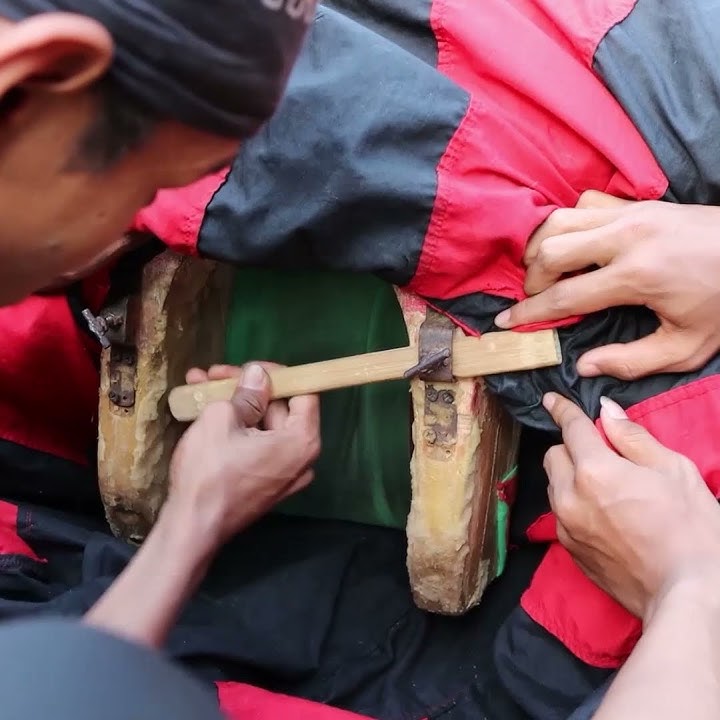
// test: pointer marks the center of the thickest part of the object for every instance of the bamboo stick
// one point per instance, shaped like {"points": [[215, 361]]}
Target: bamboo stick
{"points": [[492, 353]]}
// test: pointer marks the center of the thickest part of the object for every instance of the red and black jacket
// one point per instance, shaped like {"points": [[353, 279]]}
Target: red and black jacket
{"points": [[423, 142], [426, 144]]}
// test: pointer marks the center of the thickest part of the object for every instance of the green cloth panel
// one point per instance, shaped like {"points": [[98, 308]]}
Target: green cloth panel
{"points": [[296, 317], [502, 513]]}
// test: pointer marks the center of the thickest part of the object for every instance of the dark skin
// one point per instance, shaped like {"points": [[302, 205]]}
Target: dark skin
{"points": [[240, 457]]}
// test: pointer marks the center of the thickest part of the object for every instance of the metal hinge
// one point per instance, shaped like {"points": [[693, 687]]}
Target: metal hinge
{"points": [[114, 329], [434, 349], [435, 366]]}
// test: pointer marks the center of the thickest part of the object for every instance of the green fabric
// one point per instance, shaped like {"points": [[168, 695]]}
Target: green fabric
{"points": [[363, 473], [502, 515]]}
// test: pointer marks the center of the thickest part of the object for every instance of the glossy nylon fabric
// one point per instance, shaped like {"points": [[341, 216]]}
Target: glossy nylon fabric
{"points": [[219, 65]]}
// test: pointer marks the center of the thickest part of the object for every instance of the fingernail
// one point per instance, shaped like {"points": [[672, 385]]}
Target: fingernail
{"points": [[503, 320], [253, 377], [549, 401], [611, 409]]}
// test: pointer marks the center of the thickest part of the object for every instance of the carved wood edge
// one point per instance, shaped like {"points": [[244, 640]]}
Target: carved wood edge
{"points": [[464, 444], [180, 319]]}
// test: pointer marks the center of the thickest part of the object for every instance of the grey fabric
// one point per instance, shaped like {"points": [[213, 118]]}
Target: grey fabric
{"points": [[344, 175], [662, 63], [64, 670], [217, 65], [404, 22]]}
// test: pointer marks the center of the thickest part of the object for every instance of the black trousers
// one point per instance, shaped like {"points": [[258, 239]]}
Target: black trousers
{"points": [[67, 671]]}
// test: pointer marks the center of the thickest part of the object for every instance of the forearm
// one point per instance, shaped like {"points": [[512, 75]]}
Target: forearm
{"points": [[144, 602], [674, 670]]}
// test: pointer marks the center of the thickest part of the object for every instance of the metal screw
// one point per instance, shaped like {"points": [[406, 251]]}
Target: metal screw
{"points": [[430, 436], [447, 397], [98, 327], [431, 394], [112, 321]]}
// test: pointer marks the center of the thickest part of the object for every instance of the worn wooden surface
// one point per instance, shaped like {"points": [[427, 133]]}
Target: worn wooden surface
{"points": [[451, 526], [452, 522], [183, 309]]}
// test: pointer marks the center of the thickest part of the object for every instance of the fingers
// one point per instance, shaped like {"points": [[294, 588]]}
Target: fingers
{"points": [[568, 253], [222, 372], [632, 441], [579, 295], [663, 351], [582, 439], [216, 372], [225, 372], [561, 475], [593, 210], [302, 427], [300, 484], [304, 411], [276, 415], [568, 220], [252, 396], [195, 376]]}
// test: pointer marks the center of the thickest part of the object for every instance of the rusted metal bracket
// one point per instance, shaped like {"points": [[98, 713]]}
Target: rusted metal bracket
{"points": [[440, 417], [434, 349], [122, 373], [114, 327]]}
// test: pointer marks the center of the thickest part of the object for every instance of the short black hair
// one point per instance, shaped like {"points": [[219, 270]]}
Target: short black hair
{"points": [[121, 125]]}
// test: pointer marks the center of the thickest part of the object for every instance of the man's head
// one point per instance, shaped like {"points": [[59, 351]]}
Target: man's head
{"points": [[104, 102]]}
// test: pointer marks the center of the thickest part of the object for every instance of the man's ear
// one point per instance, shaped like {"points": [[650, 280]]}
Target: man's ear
{"points": [[57, 52]]}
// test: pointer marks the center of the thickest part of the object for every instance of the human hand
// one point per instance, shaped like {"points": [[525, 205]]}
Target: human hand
{"points": [[637, 517], [657, 254], [243, 456]]}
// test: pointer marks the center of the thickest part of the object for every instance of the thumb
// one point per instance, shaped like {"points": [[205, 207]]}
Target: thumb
{"points": [[656, 353], [252, 396], [631, 440]]}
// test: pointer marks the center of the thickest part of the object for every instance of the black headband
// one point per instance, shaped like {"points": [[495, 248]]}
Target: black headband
{"points": [[216, 65]]}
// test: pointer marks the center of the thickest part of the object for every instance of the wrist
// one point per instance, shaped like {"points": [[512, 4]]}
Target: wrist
{"points": [[187, 533], [696, 590]]}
